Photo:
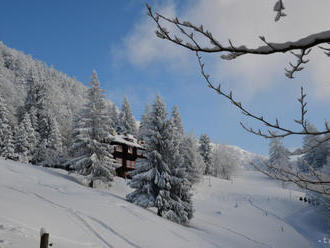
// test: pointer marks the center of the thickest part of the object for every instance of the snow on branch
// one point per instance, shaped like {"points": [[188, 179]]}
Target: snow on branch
{"points": [[230, 51], [278, 8], [273, 125]]}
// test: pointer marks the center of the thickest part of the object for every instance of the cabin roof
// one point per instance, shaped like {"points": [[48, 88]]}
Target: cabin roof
{"points": [[127, 140]]}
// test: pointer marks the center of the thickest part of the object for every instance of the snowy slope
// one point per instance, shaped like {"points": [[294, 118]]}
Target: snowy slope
{"points": [[251, 211]]}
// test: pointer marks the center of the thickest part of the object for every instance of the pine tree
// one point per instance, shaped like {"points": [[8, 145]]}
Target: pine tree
{"points": [[127, 121], [54, 136], [181, 209], [144, 124], [91, 149], [193, 159], [151, 177], [205, 150], [177, 121], [114, 118], [7, 148], [25, 141], [161, 180], [22, 146]]}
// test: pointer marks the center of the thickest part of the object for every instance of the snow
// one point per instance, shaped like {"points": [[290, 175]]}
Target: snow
{"points": [[122, 139], [249, 211]]}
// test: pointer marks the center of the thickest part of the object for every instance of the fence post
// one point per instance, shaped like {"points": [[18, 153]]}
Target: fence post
{"points": [[44, 238]]}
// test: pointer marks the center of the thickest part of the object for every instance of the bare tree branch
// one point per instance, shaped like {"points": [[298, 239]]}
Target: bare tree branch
{"points": [[295, 68], [230, 51], [314, 181], [274, 125]]}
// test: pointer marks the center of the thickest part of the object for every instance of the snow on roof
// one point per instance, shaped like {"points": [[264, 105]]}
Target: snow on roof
{"points": [[127, 140]]}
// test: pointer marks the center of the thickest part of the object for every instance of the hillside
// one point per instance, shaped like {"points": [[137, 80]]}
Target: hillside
{"points": [[251, 211], [65, 95], [241, 157]]}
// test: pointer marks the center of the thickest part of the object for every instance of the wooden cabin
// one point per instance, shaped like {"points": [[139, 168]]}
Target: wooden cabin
{"points": [[127, 150]]}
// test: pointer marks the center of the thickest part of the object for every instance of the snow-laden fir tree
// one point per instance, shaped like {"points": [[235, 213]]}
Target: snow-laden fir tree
{"points": [[205, 150], [7, 148], [91, 149], [144, 124], [114, 118], [193, 159], [181, 209], [177, 121], [49, 149], [127, 120], [25, 141], [22, 146], [152, 174], [160, 180], [278, 155]]}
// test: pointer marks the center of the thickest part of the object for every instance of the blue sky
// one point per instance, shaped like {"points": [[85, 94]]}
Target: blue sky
{"points": [[116, 38]]}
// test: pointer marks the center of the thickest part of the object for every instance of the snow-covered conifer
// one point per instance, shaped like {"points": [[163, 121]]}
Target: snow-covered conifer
{"points": [[144, 124], [161, 179], [205, 150], [127, 120], [151, 177], [25, 141], [193, 159], [177, 121], [22, 147], [7, 148], [114, 118], [91, 148]]}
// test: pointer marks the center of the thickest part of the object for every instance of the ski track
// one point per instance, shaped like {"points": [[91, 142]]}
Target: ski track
{"points": [[113, 231], [236, 233], [91, 229], [77, 216], [71, 211], [82, 220]]}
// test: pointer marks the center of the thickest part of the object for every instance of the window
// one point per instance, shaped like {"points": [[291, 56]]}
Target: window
{"points": [[130, 150], [118, 148]]}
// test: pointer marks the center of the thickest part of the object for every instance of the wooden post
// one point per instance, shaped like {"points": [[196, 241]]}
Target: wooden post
{"points": [[44, 238]]}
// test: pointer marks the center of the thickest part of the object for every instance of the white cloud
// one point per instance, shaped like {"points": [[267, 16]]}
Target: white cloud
{"points": [[242, 21], [142, 47]]}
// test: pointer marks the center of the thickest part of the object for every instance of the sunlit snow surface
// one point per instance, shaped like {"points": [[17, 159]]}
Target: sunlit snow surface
{"points": [[250, 211]]}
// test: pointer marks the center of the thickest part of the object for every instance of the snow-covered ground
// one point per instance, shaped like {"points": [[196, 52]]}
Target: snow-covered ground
{"points": [[250, 211]]}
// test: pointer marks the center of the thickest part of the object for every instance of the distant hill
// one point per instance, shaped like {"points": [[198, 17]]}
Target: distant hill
{"points": [[243, 157]]}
